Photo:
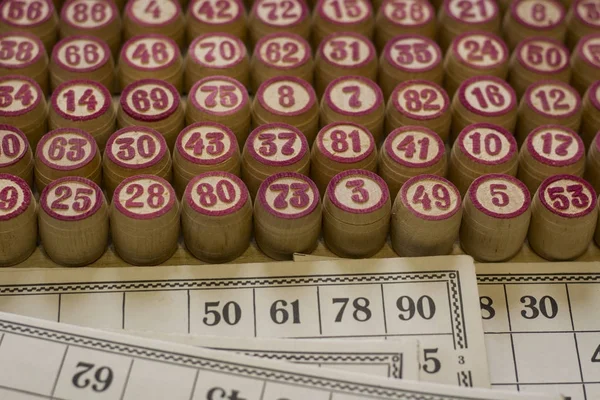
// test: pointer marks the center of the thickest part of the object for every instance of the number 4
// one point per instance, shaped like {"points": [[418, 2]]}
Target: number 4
{"points": [[596, 355]]}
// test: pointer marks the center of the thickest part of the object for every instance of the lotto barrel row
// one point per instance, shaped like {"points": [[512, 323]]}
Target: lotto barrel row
{"points": [[407, 151], [524, 18], [217, 218]]}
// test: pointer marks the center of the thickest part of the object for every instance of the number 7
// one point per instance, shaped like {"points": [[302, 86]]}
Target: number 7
{"points": [[344, 302]]}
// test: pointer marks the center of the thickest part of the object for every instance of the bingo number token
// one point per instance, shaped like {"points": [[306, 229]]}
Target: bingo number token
{"points": [[203, 147], [273, 148], [585, 62], [281, 54], [24, 54], [399, 17], [483, 99], [482, 149], [151, 56], [82, 57], [97, 18], [15, 154], [592, 169], [342, 15], [289, 100], [583, 19], [18, 238], [217, 54], [268, 16], [287, 215], [154, 16], [341, 146], [86, 105], [419, 102], [155, 104], [528, 18], [496, 217], [548, 102], [144, 220], [590, 120], [356, 214], [73, 221], [67, 152], [135, 150], [550, 150], [37, 17], [475, 54], [564, 217], [206, 16], [216, 217], [425, 217], [23, 105], [341, 54], [354, 99], [223, 100], [537, 59], [410, 151], [410, 57], [459, 16]]}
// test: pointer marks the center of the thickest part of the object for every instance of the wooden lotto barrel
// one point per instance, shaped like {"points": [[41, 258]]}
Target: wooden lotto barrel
{"points": [[151, 56], [426, 217], [564, 214], [279, 54], [537, 59], [496, 216], [273, 148], [550, 150], [410, 151], [341, 54], [287, 215], [203, 147], [97, 18], [222, 100], [482, 149], [483, 99], [529, 18], [216, 217], [205, 16], [354, 99], [67, 152], [154, 16], [155, 104], [18, 220], [585, 62], [356, 214], [135, 150], [459, 16], [590, 118], [419, 102], [37, 17], [24, 54], [289, 100], [216, 54], [73, 221], [583, 19], [400, 17], [85, 105], [144, 220], [16, 157], [82, 57], [24, 107], [276, 17], [408, 57], [474, 54], [545, 103], [341, 146], [331, 16]]}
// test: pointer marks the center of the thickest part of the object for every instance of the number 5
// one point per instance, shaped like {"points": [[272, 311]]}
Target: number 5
{"points": [[499, 198], [431, 364]]}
